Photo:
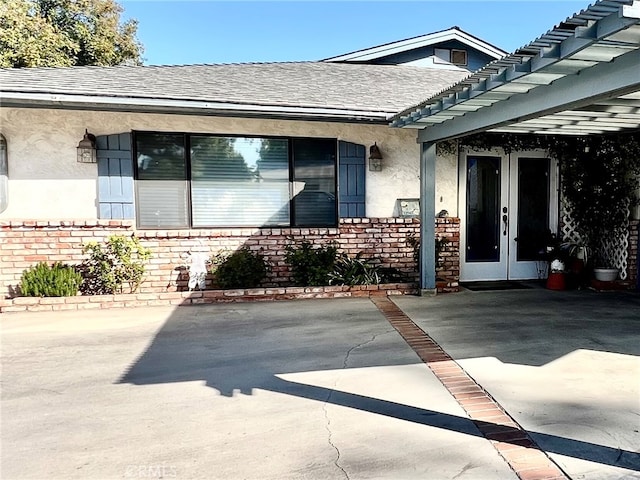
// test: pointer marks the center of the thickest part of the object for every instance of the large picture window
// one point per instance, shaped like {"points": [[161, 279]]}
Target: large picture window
{"points": [[189, 180]]}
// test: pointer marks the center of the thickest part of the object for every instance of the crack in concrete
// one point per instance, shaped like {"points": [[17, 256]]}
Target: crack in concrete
{"points": [[336, 461], [467, 467], [345, 362]]}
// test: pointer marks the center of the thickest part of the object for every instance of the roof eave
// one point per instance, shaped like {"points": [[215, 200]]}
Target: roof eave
{"points": [[190, 107]]}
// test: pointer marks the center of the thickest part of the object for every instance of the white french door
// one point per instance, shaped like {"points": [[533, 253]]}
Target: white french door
{"points": [[508, 205]]}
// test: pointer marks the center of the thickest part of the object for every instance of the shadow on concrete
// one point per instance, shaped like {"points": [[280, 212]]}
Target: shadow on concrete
{"points": [[241, 347]]}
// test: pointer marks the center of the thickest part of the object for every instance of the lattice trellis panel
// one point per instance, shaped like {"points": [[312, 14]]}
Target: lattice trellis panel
{"points": [[615, 249]]}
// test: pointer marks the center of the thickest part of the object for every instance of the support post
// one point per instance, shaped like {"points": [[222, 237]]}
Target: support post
{"points": [[427, 215]]}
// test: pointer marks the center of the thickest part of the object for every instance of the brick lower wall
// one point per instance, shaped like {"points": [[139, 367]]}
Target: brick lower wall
{"points": [[25, 243]]}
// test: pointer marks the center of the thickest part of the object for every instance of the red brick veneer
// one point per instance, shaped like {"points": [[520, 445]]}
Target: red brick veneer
{"points": [[26, 242]]}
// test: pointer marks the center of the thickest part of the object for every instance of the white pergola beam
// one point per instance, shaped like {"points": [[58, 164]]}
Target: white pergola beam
{"points": [[565, 94]]}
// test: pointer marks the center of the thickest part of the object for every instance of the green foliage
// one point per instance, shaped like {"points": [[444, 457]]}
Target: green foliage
{"points": [[63, 33], [111, 266], [241, 269], [509, 142], [311, 266], [354, 271], [57, 280], [600, 178], [414, 242]]}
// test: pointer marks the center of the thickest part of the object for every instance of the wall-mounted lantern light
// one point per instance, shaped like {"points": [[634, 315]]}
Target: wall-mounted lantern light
{"points": [[4, 174], [375, 158], [87, 149]]}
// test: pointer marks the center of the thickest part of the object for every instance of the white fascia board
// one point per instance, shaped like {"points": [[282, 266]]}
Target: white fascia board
{"points": [[418, 42], [565, 94], [144, 104]]}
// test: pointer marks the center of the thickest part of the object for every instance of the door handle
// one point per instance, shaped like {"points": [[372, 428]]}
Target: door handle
{"points": [[505, 222]]}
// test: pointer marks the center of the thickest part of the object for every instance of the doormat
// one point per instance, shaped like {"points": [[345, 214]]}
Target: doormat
{"points": [[494, 285]]}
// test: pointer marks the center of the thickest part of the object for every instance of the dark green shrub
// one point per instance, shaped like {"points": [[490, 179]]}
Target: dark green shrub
{"points": [[393, 275], [354, 271], [241, 269], [414, 242], [113, 265], [311, 266], [57, 280]]}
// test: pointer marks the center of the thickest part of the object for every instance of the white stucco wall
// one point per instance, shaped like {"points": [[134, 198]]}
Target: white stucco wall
{"points": [[46, 181]]}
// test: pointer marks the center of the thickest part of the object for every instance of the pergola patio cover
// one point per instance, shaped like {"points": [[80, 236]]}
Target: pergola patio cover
{"points": [[580, 78]]}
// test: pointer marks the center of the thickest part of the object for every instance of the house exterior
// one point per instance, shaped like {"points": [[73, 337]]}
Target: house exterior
{"points": [[262, 155], [216, 157]]}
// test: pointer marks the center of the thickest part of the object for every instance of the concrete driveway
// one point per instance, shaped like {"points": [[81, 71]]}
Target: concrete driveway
{"points": [[318, 389], [565, 365]]}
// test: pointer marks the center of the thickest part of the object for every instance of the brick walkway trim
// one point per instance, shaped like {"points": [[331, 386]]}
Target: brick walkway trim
{"points": [[510, 440]]}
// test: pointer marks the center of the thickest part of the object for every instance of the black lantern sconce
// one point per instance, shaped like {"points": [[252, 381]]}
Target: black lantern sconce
{"points": [[375, 158], [87, 149]]}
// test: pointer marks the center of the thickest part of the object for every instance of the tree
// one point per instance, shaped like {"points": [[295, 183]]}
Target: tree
{"points": [[62, 33]]}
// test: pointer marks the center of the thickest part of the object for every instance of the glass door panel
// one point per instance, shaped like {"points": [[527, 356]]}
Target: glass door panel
{"points": [[483, 209], [533, 212], [533, 208]]}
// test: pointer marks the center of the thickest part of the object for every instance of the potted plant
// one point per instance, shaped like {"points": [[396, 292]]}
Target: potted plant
{"points": [[556, 263]]}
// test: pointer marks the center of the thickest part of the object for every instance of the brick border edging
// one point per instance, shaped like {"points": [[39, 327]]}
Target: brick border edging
{"points": [[511, 441], [86, 302]]}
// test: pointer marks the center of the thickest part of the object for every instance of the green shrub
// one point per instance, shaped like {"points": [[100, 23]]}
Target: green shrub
{"points": [[311, 266], [354, 271], [241, 269], [414, 242], [113, 265], [57, 280]]}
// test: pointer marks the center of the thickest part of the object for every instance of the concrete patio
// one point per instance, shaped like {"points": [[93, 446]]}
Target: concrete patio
{"points": [[319, 388]]}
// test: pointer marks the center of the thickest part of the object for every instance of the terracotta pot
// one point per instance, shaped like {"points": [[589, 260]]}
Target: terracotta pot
{"points": [[556, 281]]}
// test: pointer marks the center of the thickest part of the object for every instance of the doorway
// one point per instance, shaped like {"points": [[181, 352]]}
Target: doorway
{"points": [[508, 205]]}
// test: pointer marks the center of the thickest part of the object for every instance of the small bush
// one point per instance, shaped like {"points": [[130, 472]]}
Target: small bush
{"points": [[241, 269], [57, 280], [110, 267], [414, 242], [393, 275], [311, 266], [354, 271]]}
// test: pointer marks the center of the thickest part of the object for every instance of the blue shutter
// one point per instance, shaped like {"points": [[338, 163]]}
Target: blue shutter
{"points": [[115, 177], [351, 179]]}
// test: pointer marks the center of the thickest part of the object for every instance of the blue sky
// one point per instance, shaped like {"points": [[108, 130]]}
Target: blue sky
{"points": [[187, 32]]}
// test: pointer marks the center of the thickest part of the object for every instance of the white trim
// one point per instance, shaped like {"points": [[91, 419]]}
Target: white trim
{"points": [[419, 42]]}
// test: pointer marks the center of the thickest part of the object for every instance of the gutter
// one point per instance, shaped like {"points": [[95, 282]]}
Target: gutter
{"points": [[188, 107]]}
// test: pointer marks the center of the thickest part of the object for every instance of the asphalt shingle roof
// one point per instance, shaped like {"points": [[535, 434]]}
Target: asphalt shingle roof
{"points": [[375, 88]]}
